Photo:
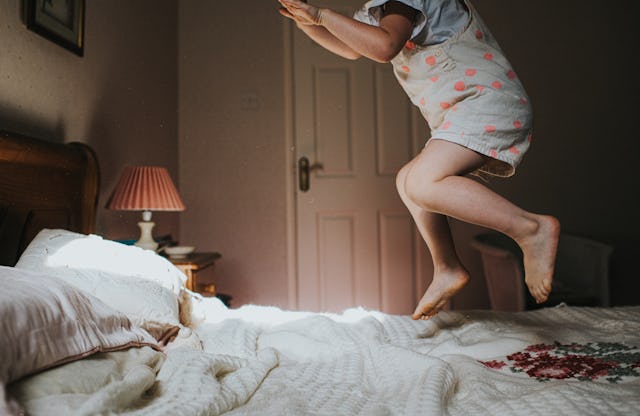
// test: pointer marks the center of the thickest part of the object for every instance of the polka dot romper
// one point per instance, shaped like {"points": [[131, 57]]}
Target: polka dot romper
{"points": [[468, 93]]}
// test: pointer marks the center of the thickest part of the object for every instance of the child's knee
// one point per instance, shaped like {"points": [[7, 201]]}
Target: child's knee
{"points": [[418, 186], [401, 179], [415, 184]]}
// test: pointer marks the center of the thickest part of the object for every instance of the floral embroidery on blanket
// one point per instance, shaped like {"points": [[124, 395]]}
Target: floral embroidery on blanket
{"points": [[585, 362]]}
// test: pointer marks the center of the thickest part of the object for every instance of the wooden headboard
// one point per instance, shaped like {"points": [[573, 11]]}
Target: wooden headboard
{"points": [[44, 185]]}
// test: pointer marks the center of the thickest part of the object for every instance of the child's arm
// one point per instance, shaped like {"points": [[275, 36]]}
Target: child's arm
{"points": [[350, 38], [325, 39]]}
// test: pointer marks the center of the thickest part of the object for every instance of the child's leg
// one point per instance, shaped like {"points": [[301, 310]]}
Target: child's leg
{"points": [[449, 276], [434, 182]]}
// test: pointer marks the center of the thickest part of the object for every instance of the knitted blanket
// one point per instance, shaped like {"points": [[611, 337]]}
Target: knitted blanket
{"points": [[266, 361], [583, 362]]}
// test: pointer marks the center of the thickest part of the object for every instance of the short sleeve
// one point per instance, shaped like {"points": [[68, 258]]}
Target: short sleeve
{"points": [[371, 12]]}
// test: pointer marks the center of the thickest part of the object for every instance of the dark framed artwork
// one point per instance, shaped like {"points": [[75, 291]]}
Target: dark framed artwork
{"points": [[61, 21]]}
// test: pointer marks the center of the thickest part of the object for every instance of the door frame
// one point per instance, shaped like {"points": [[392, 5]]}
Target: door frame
{"points": [[290, 165]]}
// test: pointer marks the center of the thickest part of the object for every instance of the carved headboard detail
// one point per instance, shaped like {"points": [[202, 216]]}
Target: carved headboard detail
{"points": [[44, 185]]}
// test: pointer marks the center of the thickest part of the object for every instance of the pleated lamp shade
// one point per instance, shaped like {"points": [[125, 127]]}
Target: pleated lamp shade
{"points": [[146, 189]]}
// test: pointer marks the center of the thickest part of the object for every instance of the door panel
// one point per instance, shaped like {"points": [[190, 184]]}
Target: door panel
{"points": [[333, 118], [393, 127], [336, 260], [397, 261]]}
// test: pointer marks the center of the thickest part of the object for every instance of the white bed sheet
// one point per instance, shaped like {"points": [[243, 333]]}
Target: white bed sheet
{"points": [[266, 361]]}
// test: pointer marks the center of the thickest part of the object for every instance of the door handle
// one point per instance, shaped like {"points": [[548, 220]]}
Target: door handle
{"points": [[304, 172]]}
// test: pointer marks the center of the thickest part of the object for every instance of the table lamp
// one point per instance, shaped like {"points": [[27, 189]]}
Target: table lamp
{"points": [[146, 189]]}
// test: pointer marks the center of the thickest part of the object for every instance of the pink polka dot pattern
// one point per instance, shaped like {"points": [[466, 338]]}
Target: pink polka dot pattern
{"points": [[470, 94]]}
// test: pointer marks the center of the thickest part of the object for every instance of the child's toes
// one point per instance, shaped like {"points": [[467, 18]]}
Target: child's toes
{"points": [[422, 310]]}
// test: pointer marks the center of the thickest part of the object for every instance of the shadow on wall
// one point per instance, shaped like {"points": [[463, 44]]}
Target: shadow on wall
{"points": [[119, 140], [16, 121], [624, 287]]}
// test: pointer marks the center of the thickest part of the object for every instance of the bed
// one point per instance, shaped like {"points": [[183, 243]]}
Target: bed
{"points": [[91, 326]]}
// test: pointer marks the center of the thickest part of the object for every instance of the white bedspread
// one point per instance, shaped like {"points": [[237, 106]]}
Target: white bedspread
{"points": [[265, 361]]}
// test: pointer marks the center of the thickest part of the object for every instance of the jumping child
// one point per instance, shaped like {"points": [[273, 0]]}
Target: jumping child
{"points": [[480, 117]]}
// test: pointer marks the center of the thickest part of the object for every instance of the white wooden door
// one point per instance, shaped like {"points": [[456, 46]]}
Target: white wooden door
{"points": [[356, 242]]}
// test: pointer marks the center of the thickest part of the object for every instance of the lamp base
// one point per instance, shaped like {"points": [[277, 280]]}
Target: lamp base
{"points": [[146, 240]]}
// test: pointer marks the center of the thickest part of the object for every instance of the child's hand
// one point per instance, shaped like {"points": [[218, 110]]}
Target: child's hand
{"points": [[300, 11]]}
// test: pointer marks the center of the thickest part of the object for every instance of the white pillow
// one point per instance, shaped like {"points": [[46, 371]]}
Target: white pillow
{"points": [[46, 322], [141, 284]]}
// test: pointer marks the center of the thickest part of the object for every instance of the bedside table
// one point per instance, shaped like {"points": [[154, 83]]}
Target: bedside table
{"points": [[199, 268]]}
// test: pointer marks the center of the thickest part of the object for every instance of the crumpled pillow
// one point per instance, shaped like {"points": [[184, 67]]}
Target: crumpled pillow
{"points": [[139, 283], [47, 322]]}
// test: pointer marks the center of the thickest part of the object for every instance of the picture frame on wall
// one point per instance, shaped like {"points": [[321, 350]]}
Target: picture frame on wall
{"points": [[60, 21]]}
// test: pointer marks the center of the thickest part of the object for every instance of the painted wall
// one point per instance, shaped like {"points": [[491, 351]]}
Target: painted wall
{"points": [[120, 98], [232, 143]]}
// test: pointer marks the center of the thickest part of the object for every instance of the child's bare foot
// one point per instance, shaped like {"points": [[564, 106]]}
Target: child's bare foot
{"points": [[445, 284], [539, 250]]}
